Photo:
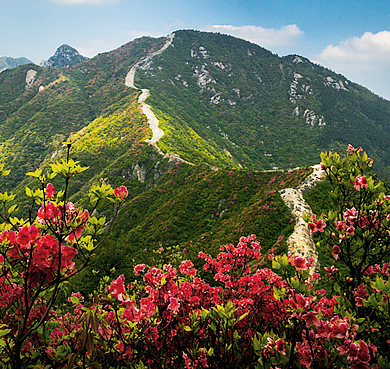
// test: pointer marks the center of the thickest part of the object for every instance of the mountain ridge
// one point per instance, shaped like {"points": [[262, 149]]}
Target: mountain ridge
{"points": [[220, 101], [7, 62], [232, 103], [307, 105]]}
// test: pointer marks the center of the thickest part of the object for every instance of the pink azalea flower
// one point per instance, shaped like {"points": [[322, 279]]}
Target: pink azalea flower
{"points": [[280, 346], [300, 263], [121, 192], [336, 252], [174, 304], [50, 190], [117, 288], [316, 225], [360, 182], [139, 269], [310, 318]]}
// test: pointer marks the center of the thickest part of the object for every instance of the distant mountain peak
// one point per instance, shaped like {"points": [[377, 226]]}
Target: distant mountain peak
{"points": [[7, 62], [65, 56]]}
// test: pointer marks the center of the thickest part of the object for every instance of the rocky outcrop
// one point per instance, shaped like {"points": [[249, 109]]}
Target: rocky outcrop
{"points": [[30, 78], [65, 56], [300, 241]]}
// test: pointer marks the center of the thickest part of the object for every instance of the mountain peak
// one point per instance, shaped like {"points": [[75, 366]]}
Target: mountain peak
{"points": [[7, 62], [65, 56]]}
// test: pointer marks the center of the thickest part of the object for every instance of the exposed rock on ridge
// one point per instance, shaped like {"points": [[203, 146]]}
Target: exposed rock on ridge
{"points": [[65, 56], [30, 78]]}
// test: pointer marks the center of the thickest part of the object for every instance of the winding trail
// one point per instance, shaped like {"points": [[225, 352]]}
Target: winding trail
{"points": [[300, 241], [157, 132], [129, 82]]}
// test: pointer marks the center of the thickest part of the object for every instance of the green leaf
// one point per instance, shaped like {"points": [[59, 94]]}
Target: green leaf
{"points": [[275, 265], [75, 300], [29, 192], [163, 281], [35, 174], [12, 209], [336, 287], [3, 332]]}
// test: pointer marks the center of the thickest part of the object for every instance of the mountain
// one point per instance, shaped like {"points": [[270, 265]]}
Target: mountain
{"points": [[228, 110], [65, 56], [7, 62], [219, 100], [218, 93]]}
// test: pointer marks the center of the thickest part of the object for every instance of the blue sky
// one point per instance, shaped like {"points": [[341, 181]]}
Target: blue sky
{"points": [[351, 37]]}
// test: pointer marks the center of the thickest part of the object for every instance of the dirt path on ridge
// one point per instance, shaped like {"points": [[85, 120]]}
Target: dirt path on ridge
{"points": [[157, 132], [300, 241]]}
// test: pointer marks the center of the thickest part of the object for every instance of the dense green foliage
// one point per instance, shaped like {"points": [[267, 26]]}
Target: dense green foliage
{"points": [[220, 101], [197, 208], [170, 316], [263, 109], [61, 101]]}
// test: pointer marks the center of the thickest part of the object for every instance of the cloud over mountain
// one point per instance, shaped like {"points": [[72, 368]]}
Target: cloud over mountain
{"points": [[364, 59], [266, 37], [359, 52]]}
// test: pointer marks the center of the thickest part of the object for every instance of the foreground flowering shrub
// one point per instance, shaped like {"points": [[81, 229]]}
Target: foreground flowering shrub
{"points": [[249, 317], [357, 235], [38, 255]]}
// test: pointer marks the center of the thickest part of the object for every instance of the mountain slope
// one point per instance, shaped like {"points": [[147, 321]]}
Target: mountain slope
{"points": [[264, 110], [35, 119], [220, 101]]}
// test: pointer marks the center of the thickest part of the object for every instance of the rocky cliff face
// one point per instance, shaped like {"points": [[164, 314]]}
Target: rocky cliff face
{"points": [[65, 56]]}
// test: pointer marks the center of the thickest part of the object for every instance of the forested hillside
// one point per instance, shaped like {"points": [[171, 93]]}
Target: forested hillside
{"points": [[229, 107], [212, 91]]}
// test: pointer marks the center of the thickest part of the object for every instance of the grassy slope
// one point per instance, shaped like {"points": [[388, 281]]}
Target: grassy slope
{"points": [[198, 209], [33, 123]]}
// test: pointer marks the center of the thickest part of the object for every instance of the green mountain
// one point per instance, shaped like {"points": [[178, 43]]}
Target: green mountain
{"points": [[228, 110], [264, 111], [7, 62]]}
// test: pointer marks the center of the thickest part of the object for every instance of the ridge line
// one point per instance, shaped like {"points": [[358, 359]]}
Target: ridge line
{"points": [[157, 132]]}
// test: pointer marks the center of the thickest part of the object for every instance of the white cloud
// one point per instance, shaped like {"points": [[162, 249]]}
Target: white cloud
{"points": [[85, 2], [94, 47], [359, 52], [266, 37], [364, 60]]}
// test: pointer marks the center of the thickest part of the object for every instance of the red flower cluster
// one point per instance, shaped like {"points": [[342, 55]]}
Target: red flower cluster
{"points": [[316, 225], [360, 182], [121, 192]]}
